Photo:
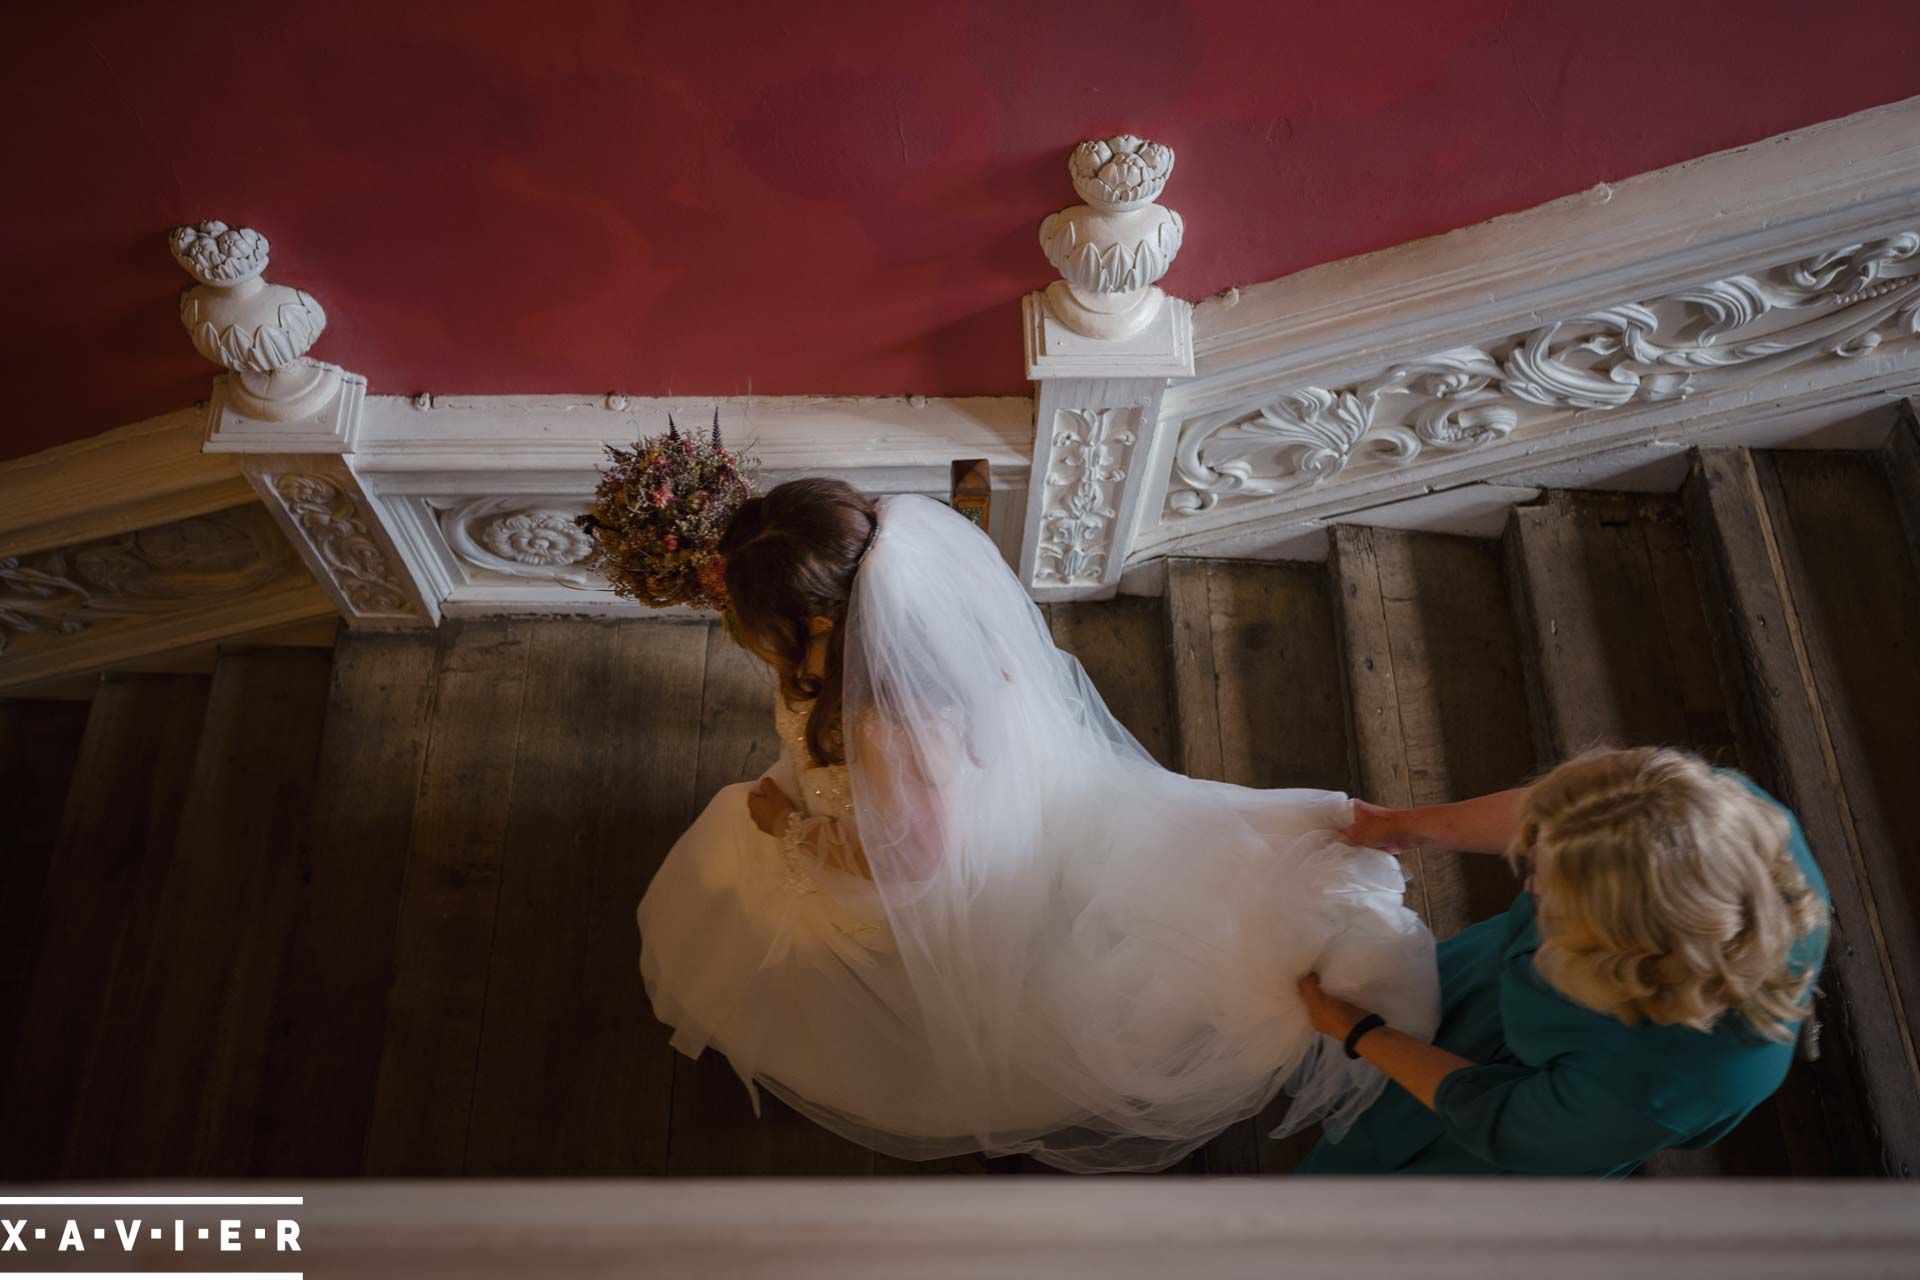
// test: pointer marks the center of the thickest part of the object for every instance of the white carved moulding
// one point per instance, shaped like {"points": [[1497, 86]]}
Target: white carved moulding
{"points": [[1838, 306], [321, 507], [479, 492], [1102, 343], [258, 331], [511, 538], [115, 599], [1091, 481], [291, 424], [1092, 451]]}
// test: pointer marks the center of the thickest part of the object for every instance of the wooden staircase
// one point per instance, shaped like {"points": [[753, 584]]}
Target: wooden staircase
{"points": [[369, 910]]}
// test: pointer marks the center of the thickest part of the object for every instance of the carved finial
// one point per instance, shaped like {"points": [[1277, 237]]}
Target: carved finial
{"points": [[214, 253], [1120, 173], [1112, 249], [260, 332]]}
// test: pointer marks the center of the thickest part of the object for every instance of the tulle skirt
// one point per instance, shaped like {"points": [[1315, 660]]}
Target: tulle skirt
{"points": [[1159, 1007]]}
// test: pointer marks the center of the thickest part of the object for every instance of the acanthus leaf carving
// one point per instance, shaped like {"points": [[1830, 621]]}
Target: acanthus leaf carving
{"points": [[1839, 304], [205, 559], [333, 525], [1083, 488]]}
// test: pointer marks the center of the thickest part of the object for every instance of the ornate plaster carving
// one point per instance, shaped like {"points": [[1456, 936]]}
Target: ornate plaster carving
{"points": [[1112, 249], [513, 537], [338, 532], [1840, 304], [1082, 495], [163, 569], [261, 332]]}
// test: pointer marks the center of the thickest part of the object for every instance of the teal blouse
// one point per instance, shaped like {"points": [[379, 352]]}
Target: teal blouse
{"points": [[1562, 1089]]}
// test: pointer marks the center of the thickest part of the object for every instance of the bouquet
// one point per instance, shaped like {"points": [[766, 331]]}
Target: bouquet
{"points": [[658, 514]]}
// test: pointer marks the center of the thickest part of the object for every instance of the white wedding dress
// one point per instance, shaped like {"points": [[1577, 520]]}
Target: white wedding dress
{"points": [[1064, 950]]}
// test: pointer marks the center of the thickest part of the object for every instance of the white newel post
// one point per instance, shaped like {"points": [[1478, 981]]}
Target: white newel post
{"points": [[293, 421], [1102, 343]]}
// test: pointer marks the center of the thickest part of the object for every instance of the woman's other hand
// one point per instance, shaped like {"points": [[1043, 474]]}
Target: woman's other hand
{"points": [[769, 807], [1375, 827], [1330, 1015]]}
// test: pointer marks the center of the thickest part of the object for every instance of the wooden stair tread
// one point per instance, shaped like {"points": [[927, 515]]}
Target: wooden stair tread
{"points": [[221, 920], [1611, 621], [39, 746], [330, 1006], [1435, 694], [79, 1015], [1774, 530]]}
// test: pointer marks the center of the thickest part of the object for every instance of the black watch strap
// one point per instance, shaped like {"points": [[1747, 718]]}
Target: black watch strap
{"points": [[1372, 1022]]}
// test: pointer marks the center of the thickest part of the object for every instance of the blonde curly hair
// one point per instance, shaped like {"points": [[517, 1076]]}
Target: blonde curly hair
{"points": [[1668, 892]]}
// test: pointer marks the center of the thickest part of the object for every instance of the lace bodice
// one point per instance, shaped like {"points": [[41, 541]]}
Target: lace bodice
{"points": [[852, 910], [825, 791]]}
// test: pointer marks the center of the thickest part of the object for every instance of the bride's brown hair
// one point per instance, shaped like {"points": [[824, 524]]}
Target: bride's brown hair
{"points": [[791, 555]]}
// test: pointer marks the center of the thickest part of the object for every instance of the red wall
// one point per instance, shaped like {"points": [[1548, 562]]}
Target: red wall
{"points": [[712, 197]]}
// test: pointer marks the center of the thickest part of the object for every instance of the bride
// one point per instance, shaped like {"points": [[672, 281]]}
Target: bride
{"points": [[966, 911]]}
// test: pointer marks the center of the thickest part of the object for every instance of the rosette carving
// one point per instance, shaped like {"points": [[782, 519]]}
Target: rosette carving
{"points": [[507, 536]]}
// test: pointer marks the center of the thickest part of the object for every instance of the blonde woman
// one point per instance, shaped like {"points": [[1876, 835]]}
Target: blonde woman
{"points": [[1644, 992]]}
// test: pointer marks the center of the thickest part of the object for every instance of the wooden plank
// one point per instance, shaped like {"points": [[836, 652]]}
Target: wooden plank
{"points": [[714, 1128], [1856, 1109], [223, 917], [331, 1005], [1703, 699], [1196, 693], [424, 1096], [1900, 460], [1435, 693], [572, 1077], [1618, 652], [971, 490], [1122, 643], [39, 744], [1826, 1106], [1857, 598], [1283, 719], [1614, 646], [129, 779]]}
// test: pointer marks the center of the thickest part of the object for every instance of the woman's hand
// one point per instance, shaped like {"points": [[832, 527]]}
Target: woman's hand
{"points": [[1330, 1015], [1375, 827], [769, 807]]}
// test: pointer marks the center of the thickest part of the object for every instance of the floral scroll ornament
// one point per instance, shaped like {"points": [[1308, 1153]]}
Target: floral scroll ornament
{"points": [[334, 528], [152, 571], [1082, 490], [1841, 304]]}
